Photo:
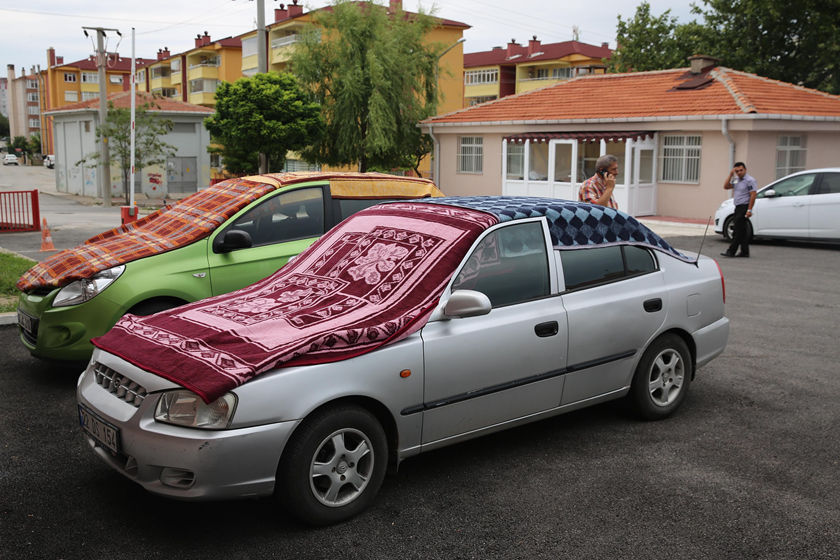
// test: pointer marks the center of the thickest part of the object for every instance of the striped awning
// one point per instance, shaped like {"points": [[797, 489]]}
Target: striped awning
{"points": [[612, 136]]}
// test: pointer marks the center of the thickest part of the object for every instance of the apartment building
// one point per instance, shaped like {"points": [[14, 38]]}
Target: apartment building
{"points": [[517, 68], [4, 97], [23, 102], [74, 82]]}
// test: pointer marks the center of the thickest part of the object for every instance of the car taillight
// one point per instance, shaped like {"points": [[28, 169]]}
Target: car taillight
{"points": [[722, 283]]}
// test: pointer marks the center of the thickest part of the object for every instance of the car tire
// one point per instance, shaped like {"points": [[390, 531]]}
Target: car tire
{"points": [[728, 228], [662, 378], [333, 466]]}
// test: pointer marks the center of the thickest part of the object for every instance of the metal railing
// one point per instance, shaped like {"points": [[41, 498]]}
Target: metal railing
{"points": [[19, 211]]}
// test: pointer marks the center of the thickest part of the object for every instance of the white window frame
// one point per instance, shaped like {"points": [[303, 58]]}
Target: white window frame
{"points": [[790, 147], [32, 96], [88, 95], [69, 77], [175, 65], [471, 155], [34, 123], [90, 78], [562, 73], [477, 77], [249, 46], [115, 79], [31, 84], [680, 156], [71, 96], [33, 110]]}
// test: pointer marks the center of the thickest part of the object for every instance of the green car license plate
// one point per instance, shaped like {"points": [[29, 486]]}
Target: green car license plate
{"points": [[105, 433]]}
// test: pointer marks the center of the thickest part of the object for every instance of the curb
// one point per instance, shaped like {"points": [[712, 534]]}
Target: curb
{"points": [[8, 318]]}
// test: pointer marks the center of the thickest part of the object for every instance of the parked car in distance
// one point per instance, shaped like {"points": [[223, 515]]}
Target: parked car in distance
{"points": [[545, 307], [49, 161], [215, 241], [801, 206], [10, 159]]}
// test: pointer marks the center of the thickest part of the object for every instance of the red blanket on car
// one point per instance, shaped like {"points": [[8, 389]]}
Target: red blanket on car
{"points": [[372, 280]]}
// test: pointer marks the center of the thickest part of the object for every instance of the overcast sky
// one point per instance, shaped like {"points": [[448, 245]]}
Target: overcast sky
{"points": [[28, 28]]}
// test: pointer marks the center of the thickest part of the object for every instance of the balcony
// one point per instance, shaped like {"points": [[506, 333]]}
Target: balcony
{"points": [[283, 47], [203, 70]]}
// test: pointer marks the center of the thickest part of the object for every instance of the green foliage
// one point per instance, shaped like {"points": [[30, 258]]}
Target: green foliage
{"points": [[19, 143], [11, 268], [266, 113], [149, 149], [795, 42], [4, 126], [34, 143], [375, 80]]}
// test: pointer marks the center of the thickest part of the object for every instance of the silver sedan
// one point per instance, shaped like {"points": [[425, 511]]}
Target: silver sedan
{"points": [[554, 306]]}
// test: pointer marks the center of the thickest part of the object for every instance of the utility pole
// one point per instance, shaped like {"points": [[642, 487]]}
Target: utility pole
{"points": [[262, 62], [104, 154]]}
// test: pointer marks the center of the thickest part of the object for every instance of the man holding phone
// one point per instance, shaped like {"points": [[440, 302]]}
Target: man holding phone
{"points": [[598, 189], [744, 192]]}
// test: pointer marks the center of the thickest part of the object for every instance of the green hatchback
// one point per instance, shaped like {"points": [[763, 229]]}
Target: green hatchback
{"points": [[220, 239]]}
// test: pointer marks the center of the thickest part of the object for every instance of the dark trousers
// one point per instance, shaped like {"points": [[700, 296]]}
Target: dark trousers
{"points": [[739, 235]]}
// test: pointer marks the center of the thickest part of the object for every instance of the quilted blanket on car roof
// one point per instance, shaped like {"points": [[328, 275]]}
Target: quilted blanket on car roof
{"points": [[372, 280], [572, 225]]}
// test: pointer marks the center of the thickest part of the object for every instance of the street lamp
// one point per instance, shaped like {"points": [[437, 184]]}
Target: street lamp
{"points": [[436, 151]]}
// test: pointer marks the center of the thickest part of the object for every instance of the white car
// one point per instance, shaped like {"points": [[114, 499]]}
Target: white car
{"points": [[10, 159], [801, 206], [407, 327], [49, 161]]}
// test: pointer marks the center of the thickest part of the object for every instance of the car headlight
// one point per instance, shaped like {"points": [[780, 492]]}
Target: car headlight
{"points": [[185, 408], [85, 289]]}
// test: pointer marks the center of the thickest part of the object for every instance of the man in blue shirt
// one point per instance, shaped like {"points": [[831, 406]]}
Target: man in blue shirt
{"points": [[744, 197]]}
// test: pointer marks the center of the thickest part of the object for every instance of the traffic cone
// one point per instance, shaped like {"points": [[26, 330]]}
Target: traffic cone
{"points": [[46, 238]]}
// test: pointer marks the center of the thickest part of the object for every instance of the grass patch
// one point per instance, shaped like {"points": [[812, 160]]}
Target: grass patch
{"points": [[11, 267]]}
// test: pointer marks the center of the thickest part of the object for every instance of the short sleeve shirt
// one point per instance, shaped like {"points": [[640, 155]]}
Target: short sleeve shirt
{"points": [[742, 189], [592, 189]]}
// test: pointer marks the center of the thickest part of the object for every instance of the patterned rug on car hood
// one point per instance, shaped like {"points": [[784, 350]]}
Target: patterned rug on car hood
{"points": [[372, 280]]}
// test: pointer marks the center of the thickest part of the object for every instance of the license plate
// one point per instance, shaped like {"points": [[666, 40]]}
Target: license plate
{"points": [[103, 432], [27, 322]]}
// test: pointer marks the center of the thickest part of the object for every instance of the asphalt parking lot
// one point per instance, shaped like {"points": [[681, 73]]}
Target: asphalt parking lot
{"points": [[748, 467]]}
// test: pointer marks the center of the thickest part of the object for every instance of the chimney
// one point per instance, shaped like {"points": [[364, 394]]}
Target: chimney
{"points": [[701, 62], [198, 40], [511, 48], [59, 60], [205, 40], [295, 9], [605, 45], [395, 6], [166, 53], [50, 57], [281, 13], [533, 46]]}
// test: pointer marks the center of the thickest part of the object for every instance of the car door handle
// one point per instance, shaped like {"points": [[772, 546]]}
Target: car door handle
{"points": [[547, 329], [653, 305]]}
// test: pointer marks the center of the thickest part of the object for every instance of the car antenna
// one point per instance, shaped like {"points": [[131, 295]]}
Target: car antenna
{"points": [[697, 261]]}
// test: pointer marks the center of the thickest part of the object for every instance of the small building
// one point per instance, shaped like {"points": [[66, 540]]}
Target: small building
{"points": [[676, 134], [519, 68], [75, 138]]}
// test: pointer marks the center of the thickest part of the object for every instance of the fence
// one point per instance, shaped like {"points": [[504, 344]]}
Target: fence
{"points": [[19, 211]]}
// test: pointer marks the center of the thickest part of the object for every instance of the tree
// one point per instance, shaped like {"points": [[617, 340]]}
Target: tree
{"points": [[375, 79], [149, 148], [266, 114], [796, 42], [34, 143], [20, 143], [4, 126], [646, 42]]}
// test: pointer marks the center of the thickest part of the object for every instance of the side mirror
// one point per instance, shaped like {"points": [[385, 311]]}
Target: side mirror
{"points": [[770, 193], [232, 239], [467, 303]]}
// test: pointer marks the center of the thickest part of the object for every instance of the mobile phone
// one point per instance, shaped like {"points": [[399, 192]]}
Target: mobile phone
{"points": [[601, 171]]}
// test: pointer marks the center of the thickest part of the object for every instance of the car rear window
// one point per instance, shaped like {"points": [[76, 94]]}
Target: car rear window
{"points": [[590, 267]]}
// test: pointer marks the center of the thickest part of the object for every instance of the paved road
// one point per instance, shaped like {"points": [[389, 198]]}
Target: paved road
{"points": [[747, 469]]}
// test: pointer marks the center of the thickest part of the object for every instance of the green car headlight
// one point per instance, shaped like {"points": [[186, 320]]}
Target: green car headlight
{"points": [[185, 408], [85, 289]]}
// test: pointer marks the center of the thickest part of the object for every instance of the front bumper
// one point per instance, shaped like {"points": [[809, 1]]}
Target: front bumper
{"points": [[180, 462]]}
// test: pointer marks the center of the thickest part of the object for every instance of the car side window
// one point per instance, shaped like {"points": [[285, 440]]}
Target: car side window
{"points": [[589, 267], [510, 265], [794, 186], [290, 215], [344, 207], [830, 183]]}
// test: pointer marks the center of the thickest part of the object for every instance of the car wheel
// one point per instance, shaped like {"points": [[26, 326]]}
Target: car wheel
{"points": [[662, 377], [729, 228], [152, 306], [333, 466]]}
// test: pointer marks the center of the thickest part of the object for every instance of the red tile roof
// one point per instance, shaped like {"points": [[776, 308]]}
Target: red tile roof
{"points": [[122, 100], [649, 95], [548, 51], [115, 62], [440, 21]]}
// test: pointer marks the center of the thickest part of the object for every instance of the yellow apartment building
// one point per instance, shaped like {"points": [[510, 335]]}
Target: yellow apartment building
{"points": [[519, 68]]}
